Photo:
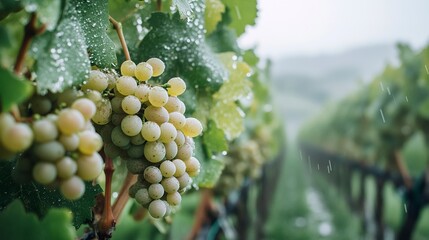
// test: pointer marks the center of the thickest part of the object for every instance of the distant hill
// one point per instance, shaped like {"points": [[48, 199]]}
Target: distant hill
{"points": [[303, 84]]}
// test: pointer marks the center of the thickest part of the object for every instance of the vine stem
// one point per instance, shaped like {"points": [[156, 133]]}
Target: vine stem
{"points": [[118, 27], [159, 5], [107, 221], [123, 196], [201, 213]]}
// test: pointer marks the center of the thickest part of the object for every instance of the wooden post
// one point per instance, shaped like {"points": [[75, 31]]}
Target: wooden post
{"points": [[379, 208]]}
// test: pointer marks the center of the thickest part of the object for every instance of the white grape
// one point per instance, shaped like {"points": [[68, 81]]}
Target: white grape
{"points": [[131, 125], [89, 166], [180, 138], [143, 71], [170, 184], [142, 92], [180, 167], [131, 104], [117, 104], [170, 150], [86, 107], [44, 173], [70, 121], [177, 86], [158, 66], [89, 142], [44, 130], [66, 167], [150, 131], [168, 168], [156, 191], [192, 128], [97, 81], [72, 188], [70, 142], [174, 198], [158, 96], [182, 109], [135, 151], [126, 85], [93, 95], [119, 138], [127, 68], [173, 104], [6, 121], [168, 132], [184, 180], [152, 174], [157, 208], [192, 165], [117, 118], [185, 152], [138, 139], [104, 112], [177, 119], [49, 151], [154, 151], [17, 137], [156, 114], [142, 196]]}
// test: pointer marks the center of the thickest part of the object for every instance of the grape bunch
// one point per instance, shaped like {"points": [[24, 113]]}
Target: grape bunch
{"points": [[57, 149], [145, 126]]}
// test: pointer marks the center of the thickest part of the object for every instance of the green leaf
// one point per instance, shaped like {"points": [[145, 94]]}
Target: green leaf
{"points": [[211, 168], [62, 60], [243, 13], [229, 118], [184, 8], [48, 11], [180, 44], [9, 6], [424, 109], [214, 140], [39, 199], [213, 14], [224, 38], [17, 224], [93, 17], [13, 90]]}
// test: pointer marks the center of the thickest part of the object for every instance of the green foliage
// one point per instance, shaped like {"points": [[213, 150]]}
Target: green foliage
{"points": [[13, 90], [243, 14], [17, 224], [39, 199], [213, 14], [214, 140]]}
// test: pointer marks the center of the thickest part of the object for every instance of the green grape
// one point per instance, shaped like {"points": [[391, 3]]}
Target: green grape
{"points": [[49, 151], [6, 121], [157, 208], [182, 109], [180, 167], [170, 150], [17, 138], [180, 138], [89, 142], [192, 165], [67, 97], [131, 125], [177, 86], [135, 151], [156, 191], [150, 131], [168, 132], [158, 66], [66, 167], [142, 196], [117, 118], [192, 127], [158, 96], [86, 107], [154, 151], [97, 81], [44, 173], [177, 119], [167, 168], [112, 151], [117, 104], [174, 198], [119, 138], [44, 130], [136, 166], [70, 142], [142, 92], [93, 95], [143, 71], [70, 121], [135, 188], [152, 174], [89, 166], [126, 85], [170, 184], [104, 112], [131, 104], [40, 105], [138, 139], [184, 181], [72, 188], [127, 68], [185, 151], [156, 114], [173, 104]]}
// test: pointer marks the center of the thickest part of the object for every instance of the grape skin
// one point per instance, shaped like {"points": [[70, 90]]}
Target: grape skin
{"points": [[174, 198], [103, 113], [192, 127], [89, 166], [156, 191], [70, 142], [170, 184], [142, 93], [168, 132], [44, 130], [154, 151], [170, 150], [66, 167], [44, 173], [70, 121], [142, 196], [89, 142], [17, 138], [167, 168], [86, 107], [143, 71], [177, 86], [157, 208], [131, 125], [97, 81], [158, 96], [49, 151], [180, 167], [150, 131], [126, 85], [177, 119], [158, 66], [131, 104], [72, 188], [127, 68], [152, 174], [156, 114]]}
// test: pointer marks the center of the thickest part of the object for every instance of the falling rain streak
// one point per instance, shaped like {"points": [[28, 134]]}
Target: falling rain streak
{"points": [[382, 116]]}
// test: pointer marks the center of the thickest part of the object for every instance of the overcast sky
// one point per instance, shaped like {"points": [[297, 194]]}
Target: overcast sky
{"points": [[296, 27]]}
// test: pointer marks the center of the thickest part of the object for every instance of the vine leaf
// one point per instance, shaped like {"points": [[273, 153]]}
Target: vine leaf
{"points": [[39, 199], [228, 117], [224, 38], [183, 7], [93, 17], [13, 90], [214, 140], [17, 224], [213, 14], [243, 14], [211, 168]]}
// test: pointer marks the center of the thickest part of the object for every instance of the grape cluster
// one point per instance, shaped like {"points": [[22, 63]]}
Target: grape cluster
{"points": [[145, 126], [57, 148]]}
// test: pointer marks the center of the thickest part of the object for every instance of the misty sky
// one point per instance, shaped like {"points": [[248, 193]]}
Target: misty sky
{"points": [[295, 27]]}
